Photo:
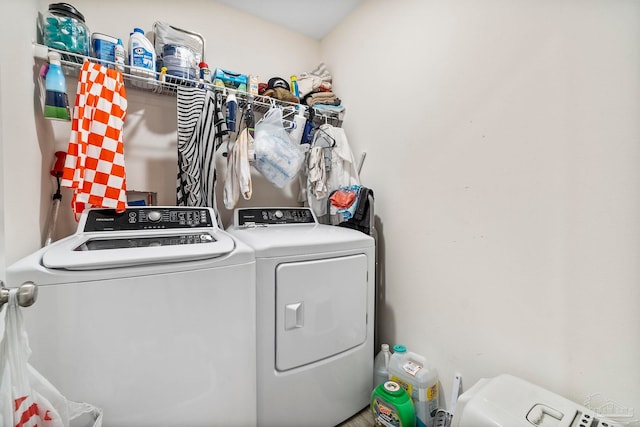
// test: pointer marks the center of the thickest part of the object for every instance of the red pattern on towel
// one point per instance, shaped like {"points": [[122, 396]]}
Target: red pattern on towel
{"points": [[94, 165]]}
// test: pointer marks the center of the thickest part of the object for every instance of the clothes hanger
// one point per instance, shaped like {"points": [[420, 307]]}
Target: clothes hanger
{"points": [[332, 140]]}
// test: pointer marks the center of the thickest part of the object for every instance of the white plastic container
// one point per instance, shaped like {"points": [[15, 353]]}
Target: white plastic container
{"points": [[142, 60], [381, 365], [103, 47], [419, 379]]}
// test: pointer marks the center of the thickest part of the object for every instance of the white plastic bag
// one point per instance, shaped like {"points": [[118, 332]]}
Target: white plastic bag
{"points": [[26, 398], [276, 157]]}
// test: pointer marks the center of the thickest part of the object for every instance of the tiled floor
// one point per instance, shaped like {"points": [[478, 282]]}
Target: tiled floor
{"points": [[361, 419]]}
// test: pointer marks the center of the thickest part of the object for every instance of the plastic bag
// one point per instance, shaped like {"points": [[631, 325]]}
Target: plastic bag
{"points": [[166, 34], [26, 397], [276, 157]]}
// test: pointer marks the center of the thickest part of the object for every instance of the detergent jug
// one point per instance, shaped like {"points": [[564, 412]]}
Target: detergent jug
{"points": [[413, 373], [391, 406]]}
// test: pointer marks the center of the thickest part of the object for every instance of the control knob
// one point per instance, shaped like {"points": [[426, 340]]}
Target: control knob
{"points": [[154, 216]]}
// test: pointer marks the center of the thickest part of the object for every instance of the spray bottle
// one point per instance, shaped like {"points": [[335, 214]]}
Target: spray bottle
{"points": [[232, 105], [56, 105], [119, 55]]}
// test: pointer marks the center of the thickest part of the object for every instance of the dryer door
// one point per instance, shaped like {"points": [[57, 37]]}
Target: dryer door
{"points": [[321, 309]]}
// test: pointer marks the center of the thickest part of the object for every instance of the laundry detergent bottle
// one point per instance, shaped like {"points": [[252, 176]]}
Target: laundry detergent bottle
{"points": [[142, 60], [56, 104], [413, 373], [391, 406]]}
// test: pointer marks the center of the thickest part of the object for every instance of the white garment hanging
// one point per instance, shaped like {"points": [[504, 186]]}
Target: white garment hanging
{"points": [[340, 170], [317, 173], [238, 175]]}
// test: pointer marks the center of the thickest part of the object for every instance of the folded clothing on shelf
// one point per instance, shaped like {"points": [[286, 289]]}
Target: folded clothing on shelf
{"points": [[322, 97]]}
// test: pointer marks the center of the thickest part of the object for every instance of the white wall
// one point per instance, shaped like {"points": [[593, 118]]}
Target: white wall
{"points": [[21, 180], [502, 141]]}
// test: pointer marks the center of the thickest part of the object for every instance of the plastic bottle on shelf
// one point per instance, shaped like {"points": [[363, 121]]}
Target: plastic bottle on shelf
{"points": [[419, 379], [142, 59], [118, 53], [56, 105], [205, 74], [381, 366], [294, 86]]}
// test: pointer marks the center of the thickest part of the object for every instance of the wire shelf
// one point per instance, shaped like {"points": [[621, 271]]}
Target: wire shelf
{"points": [[154, 82]]}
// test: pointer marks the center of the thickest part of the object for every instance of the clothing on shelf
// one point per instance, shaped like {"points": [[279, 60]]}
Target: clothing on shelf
{"points": [[94, 165], [326, 98], [313, 80]]}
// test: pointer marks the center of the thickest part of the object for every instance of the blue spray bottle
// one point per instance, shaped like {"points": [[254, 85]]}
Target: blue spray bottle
{"points": [[56, 105]]}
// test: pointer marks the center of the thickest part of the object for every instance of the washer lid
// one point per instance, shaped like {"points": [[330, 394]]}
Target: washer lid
{"points": [[90, 251], [138, 236]]}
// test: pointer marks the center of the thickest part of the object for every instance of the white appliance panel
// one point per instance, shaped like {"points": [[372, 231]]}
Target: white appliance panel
{"points": [[163, 350], [298, 258], [321, 309], [159, 335]]}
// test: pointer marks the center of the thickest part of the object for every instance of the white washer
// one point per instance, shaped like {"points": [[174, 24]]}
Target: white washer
{"points": [[315, 312], [149, 314]]}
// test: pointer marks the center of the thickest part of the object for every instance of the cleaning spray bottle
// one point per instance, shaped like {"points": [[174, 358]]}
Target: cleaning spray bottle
{"points": [[119, 55], [56, 104]]}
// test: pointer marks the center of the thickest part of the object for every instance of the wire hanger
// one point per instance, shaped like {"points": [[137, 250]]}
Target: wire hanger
{"points": [[327, 136]]}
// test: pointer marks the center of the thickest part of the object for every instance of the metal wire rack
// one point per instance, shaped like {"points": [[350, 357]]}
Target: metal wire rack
{"points": [[154, 82]]}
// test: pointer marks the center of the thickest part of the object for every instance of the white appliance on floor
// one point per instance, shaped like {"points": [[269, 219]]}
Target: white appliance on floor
{"points": [[149, 314], [315, 311], [513, 402]]}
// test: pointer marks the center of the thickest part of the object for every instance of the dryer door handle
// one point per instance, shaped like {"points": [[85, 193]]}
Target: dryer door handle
{"points": [[293, 316]]}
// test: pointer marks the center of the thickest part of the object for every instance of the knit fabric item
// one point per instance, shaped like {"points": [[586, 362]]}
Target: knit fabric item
{"points": [[94, 165], [201, 129], [238, 175]]}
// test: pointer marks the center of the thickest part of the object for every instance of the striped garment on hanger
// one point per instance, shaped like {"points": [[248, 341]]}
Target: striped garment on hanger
{"points": [[201, 130]]}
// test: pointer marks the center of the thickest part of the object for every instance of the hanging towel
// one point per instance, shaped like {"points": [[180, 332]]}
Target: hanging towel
{"points": [[201, 130], [94, 165], [238, 177], [317, 174], [340, 166]]}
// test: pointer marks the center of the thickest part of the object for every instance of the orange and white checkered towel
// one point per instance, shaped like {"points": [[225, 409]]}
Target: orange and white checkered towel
{"points": [[94, 165]]}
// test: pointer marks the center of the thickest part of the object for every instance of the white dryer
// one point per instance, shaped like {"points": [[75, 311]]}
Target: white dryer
{"points": [[149, 314], [315, 313]]}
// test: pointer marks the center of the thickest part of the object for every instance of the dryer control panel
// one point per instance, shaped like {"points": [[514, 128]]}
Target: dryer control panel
{"points": [[247, 217], [147, 218]]}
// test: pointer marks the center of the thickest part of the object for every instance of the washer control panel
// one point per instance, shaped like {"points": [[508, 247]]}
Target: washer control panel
{"points": [[247, 217], [147, 218]]}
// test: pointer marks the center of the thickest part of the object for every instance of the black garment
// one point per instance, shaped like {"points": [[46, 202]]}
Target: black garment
{"points": [[361, 219]]}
